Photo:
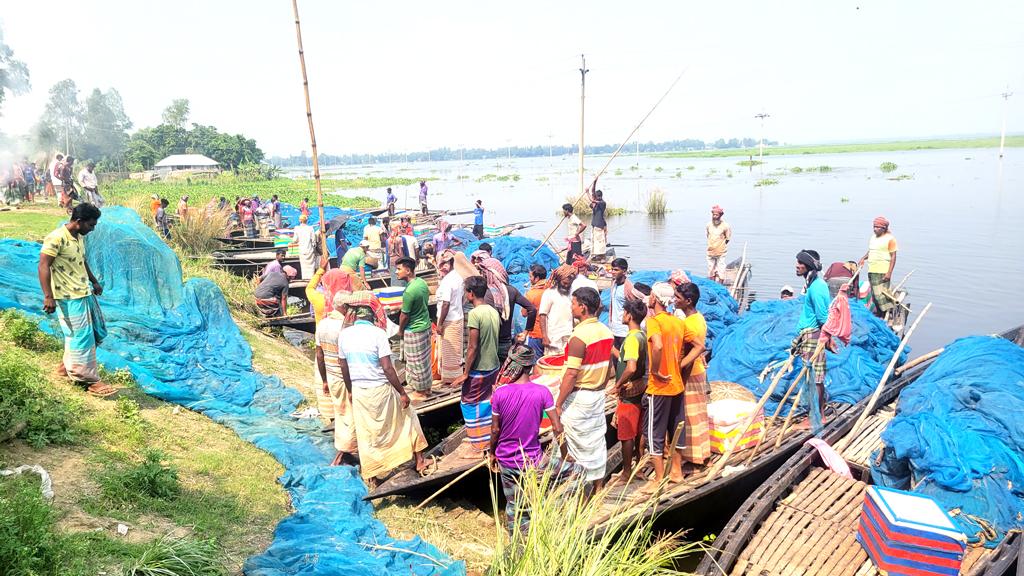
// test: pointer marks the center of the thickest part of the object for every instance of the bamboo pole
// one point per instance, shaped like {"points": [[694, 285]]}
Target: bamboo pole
{"points": [[309, 119], [789, 418], [450, 484], [739, 273], [918, 360], [614, 155], [844, 442]]}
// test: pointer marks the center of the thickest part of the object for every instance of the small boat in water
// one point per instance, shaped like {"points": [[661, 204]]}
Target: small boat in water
{"points": [[804, 518]]}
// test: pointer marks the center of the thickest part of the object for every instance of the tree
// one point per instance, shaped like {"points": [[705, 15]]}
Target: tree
{"points": [[14, 77], [176, 114], [64, 114], [106, 126]]}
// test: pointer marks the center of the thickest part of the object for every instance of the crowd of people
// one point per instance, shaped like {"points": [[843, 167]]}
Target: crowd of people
{"points": [[26, 182]]}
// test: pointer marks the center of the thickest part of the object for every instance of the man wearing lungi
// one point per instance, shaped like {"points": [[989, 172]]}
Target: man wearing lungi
{"points": [[414, 329], [482, 367]]}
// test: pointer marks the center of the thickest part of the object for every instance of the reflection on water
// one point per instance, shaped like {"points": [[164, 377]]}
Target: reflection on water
{"points": [[958, 217]]}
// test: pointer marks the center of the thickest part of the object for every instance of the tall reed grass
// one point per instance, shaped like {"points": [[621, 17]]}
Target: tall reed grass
{"points": [[657, 204], [197, 231], [171, 556]]}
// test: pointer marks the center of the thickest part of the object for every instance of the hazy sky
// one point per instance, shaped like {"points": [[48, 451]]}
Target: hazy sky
{"points": [[395, 76]]}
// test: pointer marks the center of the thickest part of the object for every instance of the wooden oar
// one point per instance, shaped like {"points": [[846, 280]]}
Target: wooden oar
{"points": [[881, 384], [450, 484]]}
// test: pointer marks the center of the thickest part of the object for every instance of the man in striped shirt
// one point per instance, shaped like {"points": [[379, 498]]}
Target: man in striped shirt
{"points": [[581, 396]]}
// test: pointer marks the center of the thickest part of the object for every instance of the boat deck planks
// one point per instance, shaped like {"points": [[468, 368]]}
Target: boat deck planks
{"points": [[869, 439]]}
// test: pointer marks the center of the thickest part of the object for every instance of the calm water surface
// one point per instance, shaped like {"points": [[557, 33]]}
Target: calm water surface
{"points": [[959, 218]]}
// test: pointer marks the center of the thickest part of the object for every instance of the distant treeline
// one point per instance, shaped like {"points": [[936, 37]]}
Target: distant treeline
{"points": [[304, 159]]}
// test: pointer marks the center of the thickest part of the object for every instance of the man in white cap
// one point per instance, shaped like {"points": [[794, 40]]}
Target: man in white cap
{"points": [[787, 293], [353, 263]]}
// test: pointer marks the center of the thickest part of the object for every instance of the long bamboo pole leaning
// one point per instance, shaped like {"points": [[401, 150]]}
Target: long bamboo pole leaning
{"points": [[312, 133], [612, 157], [845, 441], [918, 360], [739, 273]]}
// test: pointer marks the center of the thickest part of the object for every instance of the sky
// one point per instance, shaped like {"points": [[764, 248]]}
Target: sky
{"points": [[405, 76]]}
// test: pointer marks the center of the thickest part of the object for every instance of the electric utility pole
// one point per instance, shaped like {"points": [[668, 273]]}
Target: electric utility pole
{"points": [[583, 89], [1006, 104], [760, 152]]}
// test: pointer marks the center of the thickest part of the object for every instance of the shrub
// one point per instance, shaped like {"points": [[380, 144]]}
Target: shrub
{"points": [[749, 163], [657, 205], [28, 543], [28, 409], [171, 556], [197, 233], [25, 333], [148, 479], [888, 167], [796, 169]]}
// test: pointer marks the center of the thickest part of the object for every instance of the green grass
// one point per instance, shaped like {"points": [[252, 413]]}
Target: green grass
{"points": [[171, 556], [28, 409], [657, 204], [796, 169], [895, 146], [31, 222]]}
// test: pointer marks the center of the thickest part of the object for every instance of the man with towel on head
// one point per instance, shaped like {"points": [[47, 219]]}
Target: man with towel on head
{"points": [[388, 432], [719, 233], [307, 240], [813, 316], [332, 382], [581, 397], [881, 259]]}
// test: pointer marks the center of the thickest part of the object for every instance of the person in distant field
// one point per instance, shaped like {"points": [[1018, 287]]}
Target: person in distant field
{"points": [[813, 316], [70, 287], [598, 224], [45, 178], [582, 279], [163, 223], [353, 263], [70, 192], [276, 264], [478, 220], [54, 169], [787, 293], [304, 207], [573, 233], [154, 204], [719, 233], [538, 284], [90, 184], [372, 235], [450, 318], [423, 197], [388, 432], [222, 204], [414, 329], [247, 216], [272, 292], [390, 201], [504, 297], [663, 401], [556, 311], [695, 441], [581, 394], [481, 367], [332, 382], [881, 259], [630, 383], [518, 408], [307, 239], [182, 207]]}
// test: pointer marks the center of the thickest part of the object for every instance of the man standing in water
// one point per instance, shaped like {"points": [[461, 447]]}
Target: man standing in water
{"points": [[813, 316], [881, 259], [65, 279], [719, 233]]}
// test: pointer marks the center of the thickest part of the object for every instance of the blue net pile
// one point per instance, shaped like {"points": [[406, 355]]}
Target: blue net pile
{"points": [[181, 344], [764, 333], [516, 253], [958, 437]]}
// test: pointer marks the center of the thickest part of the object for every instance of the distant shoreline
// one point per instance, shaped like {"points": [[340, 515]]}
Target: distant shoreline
{"points": [[896, 146]]}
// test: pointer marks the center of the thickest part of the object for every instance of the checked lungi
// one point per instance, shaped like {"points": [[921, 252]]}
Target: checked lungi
{"points": [[880, 292], [695, 441], [807, 343], [82, 323], [452, 353], [416, 348], [476, 407]]}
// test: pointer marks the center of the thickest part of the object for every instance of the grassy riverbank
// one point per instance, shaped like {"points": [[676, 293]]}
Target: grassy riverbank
{"points": [[903, 145]]}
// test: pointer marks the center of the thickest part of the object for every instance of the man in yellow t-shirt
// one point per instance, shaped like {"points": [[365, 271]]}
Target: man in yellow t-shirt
{"points": [[65, 279], [881, 259], [663, 401], [695, 442]]}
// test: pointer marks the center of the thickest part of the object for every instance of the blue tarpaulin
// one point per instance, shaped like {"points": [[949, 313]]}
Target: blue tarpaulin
{"points": [[958, 437], [181, 344]]}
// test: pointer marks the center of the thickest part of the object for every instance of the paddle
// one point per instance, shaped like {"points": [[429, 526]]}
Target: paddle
{"points": [[450, 484]]}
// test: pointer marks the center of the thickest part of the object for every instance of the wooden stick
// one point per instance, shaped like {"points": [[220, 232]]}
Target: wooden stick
{"points": [[841, 445], [739, 273], [902, 282], [450, 484], [614, 155], [309, 119], [789, 417], [918, 360], [782, 403]]}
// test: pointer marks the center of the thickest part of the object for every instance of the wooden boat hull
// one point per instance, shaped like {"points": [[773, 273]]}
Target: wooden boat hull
{"points": [[743, 527]]}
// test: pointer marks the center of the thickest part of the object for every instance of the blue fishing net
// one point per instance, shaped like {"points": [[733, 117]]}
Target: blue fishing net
{"points": [[516, 253], [764, 333], [179, 341], [958, 437]]}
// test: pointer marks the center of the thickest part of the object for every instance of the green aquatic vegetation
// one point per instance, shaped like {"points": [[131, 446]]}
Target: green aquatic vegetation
{"points": [[618, 171], [902, 177], [796, 169], [766, 182], [749, 163], [659, 169], [888, 167], [691, 167], [657, 204]]}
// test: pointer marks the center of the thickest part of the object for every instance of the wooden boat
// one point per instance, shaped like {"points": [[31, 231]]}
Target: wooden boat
{"points": [[803, 519], [738, 282]]}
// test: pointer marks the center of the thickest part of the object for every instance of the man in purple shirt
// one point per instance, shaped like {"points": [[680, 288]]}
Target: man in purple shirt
{"points": [[517, 410]]}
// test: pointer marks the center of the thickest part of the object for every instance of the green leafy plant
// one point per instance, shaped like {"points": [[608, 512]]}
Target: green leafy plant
{"points": [[749, 163], [888, 167], [172, 556], [796, 169], [150, 478], [25, 333], [28, 544], [29, 409], [766, 182]]}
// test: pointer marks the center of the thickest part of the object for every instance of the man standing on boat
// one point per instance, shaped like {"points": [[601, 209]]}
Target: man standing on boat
{"points": [[663, 401], [556, 311], [695, 440], [414, 329], [630, 383], [450, 317], [574, 233], [481, 368], [813, 316], [581, 398], [423, 197], [598, 224], [307, 238], [478, 220], [719, 233], [881, 259], [372, 235]]}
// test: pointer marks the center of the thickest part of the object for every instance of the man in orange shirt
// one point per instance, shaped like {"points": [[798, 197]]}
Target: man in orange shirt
{"points": [[663, 401], [538, 284], [695, 442]]}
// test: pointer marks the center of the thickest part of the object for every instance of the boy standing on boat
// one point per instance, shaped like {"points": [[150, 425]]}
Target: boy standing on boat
{"points": [[414, 329], [478, 220], [518, 408], [719, 233], [538, 285], [390, 202], [580, 403], [481, 371], [630, 384], [881, 259], [574, 233], [663, 402], [812, 317], [696, 443]]}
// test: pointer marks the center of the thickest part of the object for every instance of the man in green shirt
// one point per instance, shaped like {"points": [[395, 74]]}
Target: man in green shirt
{"points": [[482, 366], [353, 263], [414, 329]]}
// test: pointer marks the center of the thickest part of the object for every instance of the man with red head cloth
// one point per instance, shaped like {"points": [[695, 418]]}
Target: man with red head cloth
{"points": [[719, 233], [881, 259]]}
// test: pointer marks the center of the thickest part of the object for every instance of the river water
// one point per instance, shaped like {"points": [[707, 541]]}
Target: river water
{"points": [[958, 216]]}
